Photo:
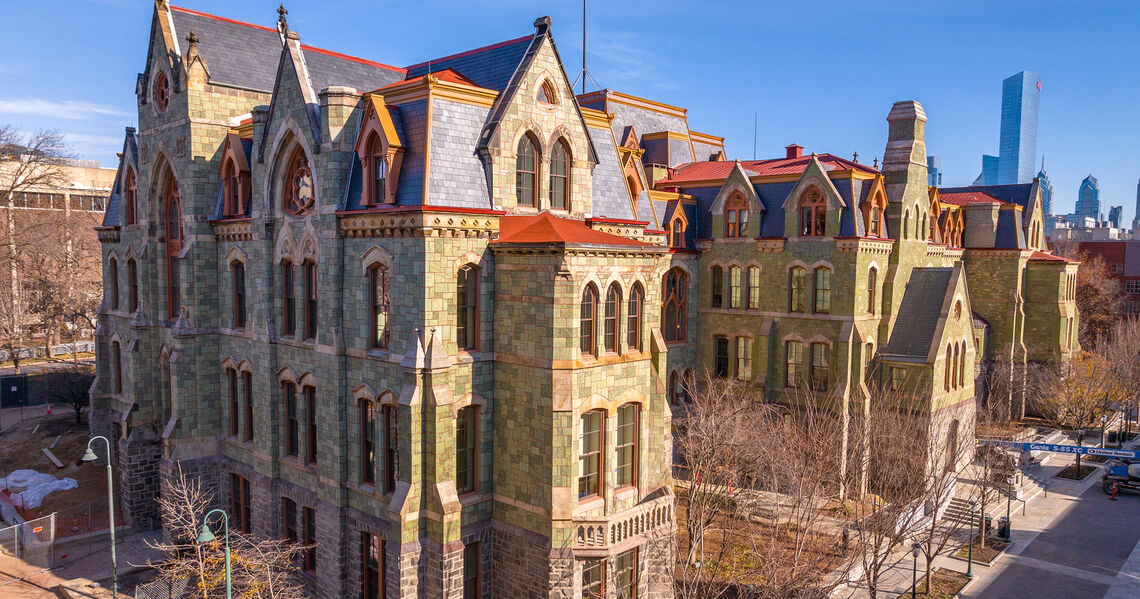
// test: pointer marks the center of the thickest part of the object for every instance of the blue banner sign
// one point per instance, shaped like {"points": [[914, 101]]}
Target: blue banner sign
{"points": [[1069, 449]]}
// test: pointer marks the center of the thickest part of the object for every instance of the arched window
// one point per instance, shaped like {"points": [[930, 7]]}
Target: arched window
{"points": [[822, 303], [560, 176], [377, 170], [310, 270], [379, 303], [232, 380], [526, 169], [587, 318], [161, 92], [117, 358], [131, 194], [820, 363], [545, 93], [610, 331], [113, 283], [467, 449], [292, 420], [678, 240], [753, 287], [735, 288], [238, 269], [674, 390], [793, 360], [288, 299], [797, 288], [467, 308], [813, 213], [876, 222], [626, 445], [633, 311], [906, 224], [300, 193], [736, 216], [231, 184], [391, 418], [247, 398], [590, 446], [367, 442], [922, 230], [173, 246], [716, 287], [954, 369], [132, 285], [947, 374], [674, 304], [962, 365], [872, 281]]}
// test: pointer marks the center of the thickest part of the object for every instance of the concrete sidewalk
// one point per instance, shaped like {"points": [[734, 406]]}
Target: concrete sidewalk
{"points": [[78, 575]]}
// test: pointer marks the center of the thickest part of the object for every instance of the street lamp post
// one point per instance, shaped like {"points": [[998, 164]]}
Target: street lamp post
{"points": [[970, 557], [207, 535], [914, 574], [89, 456], [1008, 503]]}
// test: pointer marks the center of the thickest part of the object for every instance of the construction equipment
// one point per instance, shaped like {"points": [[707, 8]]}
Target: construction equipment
{"points": [[1124, 475]]}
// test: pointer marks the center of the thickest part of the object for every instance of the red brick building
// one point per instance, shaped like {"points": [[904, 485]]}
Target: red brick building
{"points": [[1123, 260]]}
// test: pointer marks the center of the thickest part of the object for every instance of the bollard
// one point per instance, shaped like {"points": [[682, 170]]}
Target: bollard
{"points": [[1113, 492]]}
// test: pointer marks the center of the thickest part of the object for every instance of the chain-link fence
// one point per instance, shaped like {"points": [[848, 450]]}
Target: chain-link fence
{"points": [[81, 529], [162, 589], [27, 548]]}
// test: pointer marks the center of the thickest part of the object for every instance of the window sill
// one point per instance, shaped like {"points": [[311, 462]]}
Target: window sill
{"points": [[591, 502], [624, 493]]}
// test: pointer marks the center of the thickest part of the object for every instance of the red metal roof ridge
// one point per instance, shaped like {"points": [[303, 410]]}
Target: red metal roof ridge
{"points": [[522, 228], [303, 46], [494, 46], [454, 77]]}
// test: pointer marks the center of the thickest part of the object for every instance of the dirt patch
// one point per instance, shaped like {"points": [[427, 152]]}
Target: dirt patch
{"points": [[944, 584], [79, 509], [983, 555], [1070, 472]]}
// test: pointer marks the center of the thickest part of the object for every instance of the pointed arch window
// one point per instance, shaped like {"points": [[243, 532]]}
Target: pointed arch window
{"points": [[238, 269], [132, 285], [822, 301], [872, 281], [678, 234], [813, 213], [300, 192], [161, 92], [876, 222], [377, 170], [467, 308], [716, 287], [131, 194], [735, 288], [906, 224], [367, 442], [173, 246], [674, 304], [610, 324], [380, 306], [954, 369], [753, 287], [288, 299], [526, 170], [231, 183], [797, 289], [113, 283], [962, 365], [589, 312], [633, 312], [947, 373], [560, 176], [546, 93]]}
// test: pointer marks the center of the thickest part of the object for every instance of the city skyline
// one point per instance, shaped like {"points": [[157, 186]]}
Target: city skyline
{"points": [[726, 74]]}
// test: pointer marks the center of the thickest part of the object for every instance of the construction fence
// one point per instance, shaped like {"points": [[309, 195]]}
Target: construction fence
{"points": [[27, 548]]}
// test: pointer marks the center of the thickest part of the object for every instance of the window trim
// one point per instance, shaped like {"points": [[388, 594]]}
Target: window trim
{"points": [[232, 383], [587, 324], [469, 310], [523, 197], [611, 320], [247, 398], [367, 441], [237, 268], [310, 394], [675, 303], [473, 558], [821, 296], [718, 371], [291, 445], [132, 285], [633, 444], [635, 307], [113, 266], [813, 213], [309, 539], [311, 300], [298, 166], [391, 446], [820, 373], [797, 289], [597, 457], [716, 286], [743, 362], [379, 305], [373, 544], [792, 367], [468, 454], [560, 181]]}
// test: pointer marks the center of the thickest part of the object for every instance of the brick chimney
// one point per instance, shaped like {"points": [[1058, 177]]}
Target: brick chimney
{"points": [[794, 151]]}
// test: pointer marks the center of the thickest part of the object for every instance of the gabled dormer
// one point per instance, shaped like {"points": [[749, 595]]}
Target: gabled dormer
{"points": [[812, 209], [380, 151], [234, 171], [737, 209], [873, 210]]}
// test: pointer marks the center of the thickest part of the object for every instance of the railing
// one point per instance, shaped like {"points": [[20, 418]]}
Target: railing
{"points": [[613, 529]]}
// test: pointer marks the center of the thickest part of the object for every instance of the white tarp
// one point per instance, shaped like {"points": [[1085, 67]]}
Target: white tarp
{"points": [[36, 486]]}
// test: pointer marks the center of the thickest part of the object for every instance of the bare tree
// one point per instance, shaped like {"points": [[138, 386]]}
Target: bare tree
{"points": [[1099, 300], [1083, 390], [260, 568], [1122, 351], [71, 387], [27, 162], [756, 506], [948, 453]]}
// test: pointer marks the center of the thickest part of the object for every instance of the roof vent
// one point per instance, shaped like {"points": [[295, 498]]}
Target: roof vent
{"points": [[794, 151]]}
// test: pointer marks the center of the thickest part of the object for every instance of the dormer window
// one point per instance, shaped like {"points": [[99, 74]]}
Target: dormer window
{"points": [[677, 235], [736, 216], [546, 93], [376, 166], [161, 92], [380, 151], [379, 177], [813, 213], [234, 173]]}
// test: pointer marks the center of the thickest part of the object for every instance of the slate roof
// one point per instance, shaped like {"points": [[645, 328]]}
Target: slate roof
{"points": [[1019, 194], [544, 227], [965, 198], [490, 66], [112, 214], [1039, 256], [610, 195], [246, 55], [921, 307], [718, 170]]}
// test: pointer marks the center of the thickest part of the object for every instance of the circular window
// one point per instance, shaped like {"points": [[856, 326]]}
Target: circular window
{"points": [[161, 92], [299, 193]]}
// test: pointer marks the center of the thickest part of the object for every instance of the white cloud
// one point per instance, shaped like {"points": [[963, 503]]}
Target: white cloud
{"points": [[66, 109]]}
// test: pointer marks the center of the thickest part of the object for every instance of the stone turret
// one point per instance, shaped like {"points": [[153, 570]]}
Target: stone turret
{"points": [[904, 161]]}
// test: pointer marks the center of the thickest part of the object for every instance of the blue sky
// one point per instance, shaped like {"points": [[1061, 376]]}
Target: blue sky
{"points": [[821, 74]]}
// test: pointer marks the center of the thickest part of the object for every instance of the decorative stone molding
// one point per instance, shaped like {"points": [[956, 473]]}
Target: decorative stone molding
{"points": [[636, 522], [770, 245], [865, 245], [107, 234], [417, 224], [238, 229]]}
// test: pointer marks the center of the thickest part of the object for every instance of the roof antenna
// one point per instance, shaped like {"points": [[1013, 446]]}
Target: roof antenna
{"points": [[754, 119], [585, 74]]}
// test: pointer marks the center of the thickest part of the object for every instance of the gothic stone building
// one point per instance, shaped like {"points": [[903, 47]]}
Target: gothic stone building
{"points": [[431, 318]]}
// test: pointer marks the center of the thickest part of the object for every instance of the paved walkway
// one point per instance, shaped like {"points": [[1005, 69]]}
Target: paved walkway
{"points": [[78, 575]]}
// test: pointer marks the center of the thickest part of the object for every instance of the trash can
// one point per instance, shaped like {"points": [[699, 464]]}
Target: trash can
{"points": [[1112, 437], [1003, 527], [989, 524]]}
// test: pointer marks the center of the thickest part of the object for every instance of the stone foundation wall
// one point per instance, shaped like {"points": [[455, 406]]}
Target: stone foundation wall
{"points": [[139, 455]]}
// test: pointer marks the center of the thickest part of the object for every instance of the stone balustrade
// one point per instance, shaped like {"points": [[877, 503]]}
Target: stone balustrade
{"points": [[601, 533]]}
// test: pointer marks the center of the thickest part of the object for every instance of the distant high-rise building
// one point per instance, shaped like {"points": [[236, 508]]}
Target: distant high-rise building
{"points": [[1017, 146], [1136, 219], [1088, 199], [1114, 216], [934, 170], [1047, 191]]}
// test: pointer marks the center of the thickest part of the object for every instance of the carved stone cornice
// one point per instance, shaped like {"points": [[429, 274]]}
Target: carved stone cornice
{"points": [[418, 224], [107, 234], [865, 245], [775, 245], [233, 230]]}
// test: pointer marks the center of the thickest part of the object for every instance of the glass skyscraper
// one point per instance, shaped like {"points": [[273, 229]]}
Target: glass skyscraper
{"points": [[1017, 147], [1088, 199]]}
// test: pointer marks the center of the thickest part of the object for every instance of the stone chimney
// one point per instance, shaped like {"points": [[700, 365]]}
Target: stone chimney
{"points": [[794, 151], [904, 161], [981, 220]]}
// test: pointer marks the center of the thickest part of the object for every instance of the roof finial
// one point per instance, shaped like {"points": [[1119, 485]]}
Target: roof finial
{"points": [[282, 24], [855, 158], [192, 39], [876, 165]]}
